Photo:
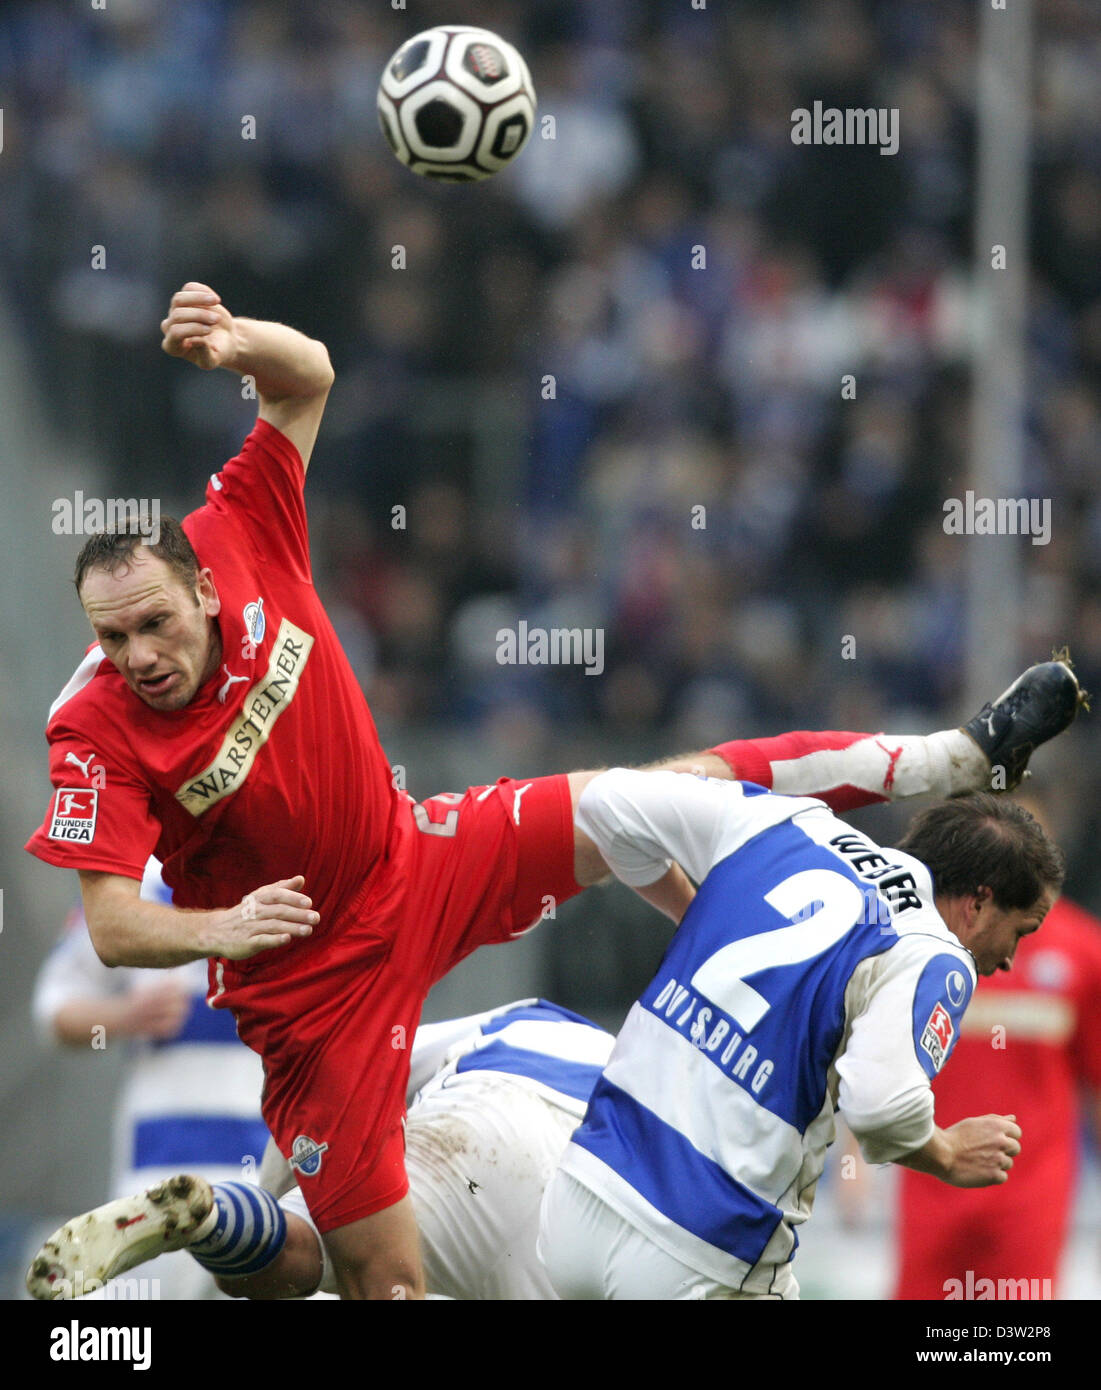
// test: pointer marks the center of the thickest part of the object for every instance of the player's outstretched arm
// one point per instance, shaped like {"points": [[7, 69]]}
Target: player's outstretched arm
{"points": [[127, 930], [292, 372], [977, 1152]]}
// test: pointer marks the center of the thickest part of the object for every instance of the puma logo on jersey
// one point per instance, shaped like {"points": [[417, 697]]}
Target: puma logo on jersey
{"points": [[230, 680], [84, 766]]}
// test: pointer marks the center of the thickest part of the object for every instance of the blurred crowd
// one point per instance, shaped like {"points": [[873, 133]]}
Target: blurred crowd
{"points": [[606, 389]]}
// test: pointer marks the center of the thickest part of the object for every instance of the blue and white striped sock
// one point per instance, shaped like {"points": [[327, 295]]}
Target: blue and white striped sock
{"points": [[249, 1232]]}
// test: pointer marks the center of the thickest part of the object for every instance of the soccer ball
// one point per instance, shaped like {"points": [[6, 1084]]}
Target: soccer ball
{"points": [[456, 103]]}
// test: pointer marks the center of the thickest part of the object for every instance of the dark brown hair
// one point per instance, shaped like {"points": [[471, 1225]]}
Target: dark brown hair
{"points": [[988, 840], [114, 550]]}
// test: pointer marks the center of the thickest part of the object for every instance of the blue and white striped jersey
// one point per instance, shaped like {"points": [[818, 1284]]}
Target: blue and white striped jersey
{"points": [[812, 972], [552, 1050], [189, 1103]]}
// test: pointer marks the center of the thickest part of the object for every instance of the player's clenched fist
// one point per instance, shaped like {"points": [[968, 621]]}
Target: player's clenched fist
{"points": [[199, 328], [270, 916], [984, 1149]]}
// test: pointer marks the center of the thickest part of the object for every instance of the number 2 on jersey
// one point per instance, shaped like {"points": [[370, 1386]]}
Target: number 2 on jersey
{"points": [[827, 903]]}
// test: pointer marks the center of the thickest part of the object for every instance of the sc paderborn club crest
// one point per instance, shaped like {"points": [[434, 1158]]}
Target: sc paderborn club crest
{"points": [[306, 1156], [255, 622]]}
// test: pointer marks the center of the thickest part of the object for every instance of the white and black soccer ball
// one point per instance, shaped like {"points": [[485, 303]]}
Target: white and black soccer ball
{"points": [[456, 103]]}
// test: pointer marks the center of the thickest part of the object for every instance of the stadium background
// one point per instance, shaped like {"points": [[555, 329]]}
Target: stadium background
{"points": [[674, 388]]}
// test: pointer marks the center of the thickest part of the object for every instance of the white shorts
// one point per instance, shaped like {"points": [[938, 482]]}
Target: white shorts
{"points": [[591, 1252], [479, 1150]]}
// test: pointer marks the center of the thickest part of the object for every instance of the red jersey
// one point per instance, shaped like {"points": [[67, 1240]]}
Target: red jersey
{"points": [[272, 770], [1029, 1039], [275, 769]]}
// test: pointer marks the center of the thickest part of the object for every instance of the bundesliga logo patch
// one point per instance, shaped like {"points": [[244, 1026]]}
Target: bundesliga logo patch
{"points": [[306, 1156], [74, 815], [937, 1036]]}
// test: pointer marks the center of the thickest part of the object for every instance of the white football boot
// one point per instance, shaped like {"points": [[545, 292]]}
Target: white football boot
{"points": [[105, 1242]]}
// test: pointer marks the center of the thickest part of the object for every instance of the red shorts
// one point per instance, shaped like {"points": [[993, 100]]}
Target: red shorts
{"points": [[460, 871]]}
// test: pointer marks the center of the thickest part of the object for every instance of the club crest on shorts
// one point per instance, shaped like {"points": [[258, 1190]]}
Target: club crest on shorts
{"points": [[255, 622], [74, 815], [937, 1035], [306, 1156]]}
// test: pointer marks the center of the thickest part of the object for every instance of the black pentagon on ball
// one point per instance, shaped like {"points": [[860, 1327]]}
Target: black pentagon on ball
{"points": [[511, 134], [486, 63], [438, 124], [408, 60]]}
